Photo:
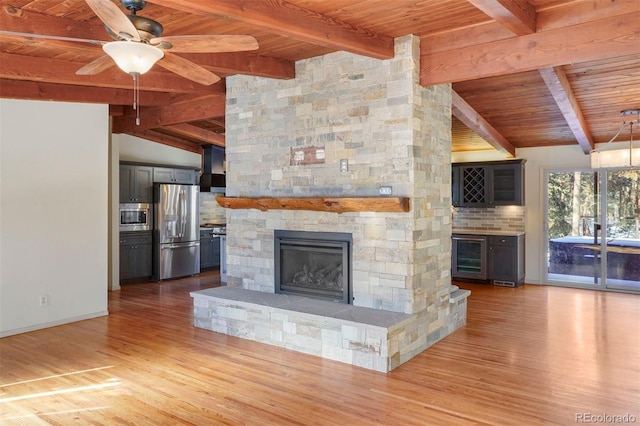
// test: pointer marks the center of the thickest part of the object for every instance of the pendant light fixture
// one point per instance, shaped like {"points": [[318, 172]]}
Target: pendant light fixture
{"points": [[624, 157]]}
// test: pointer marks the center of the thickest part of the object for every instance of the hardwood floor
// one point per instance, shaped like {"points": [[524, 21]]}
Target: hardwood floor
{"points": [[531, 355]]}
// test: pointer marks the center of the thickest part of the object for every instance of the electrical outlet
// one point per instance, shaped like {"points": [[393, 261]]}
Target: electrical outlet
{"points": [[344, 165], [44, 301], [385, 190]]}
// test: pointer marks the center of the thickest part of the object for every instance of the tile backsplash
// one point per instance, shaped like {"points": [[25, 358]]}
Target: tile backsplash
{"points": [[210, 210], [504, 218]]}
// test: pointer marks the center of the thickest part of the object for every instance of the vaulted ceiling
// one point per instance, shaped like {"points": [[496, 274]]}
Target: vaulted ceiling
{"points": [[525, 73]]}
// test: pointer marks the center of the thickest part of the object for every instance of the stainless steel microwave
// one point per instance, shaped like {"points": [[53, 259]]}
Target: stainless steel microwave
{"points": [[135, 217]]}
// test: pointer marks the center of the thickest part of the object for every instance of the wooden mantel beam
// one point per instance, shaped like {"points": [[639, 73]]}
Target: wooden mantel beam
{"points": [[474, 121], [600, 39], [290, 20], [558, 84], [325, 204]]}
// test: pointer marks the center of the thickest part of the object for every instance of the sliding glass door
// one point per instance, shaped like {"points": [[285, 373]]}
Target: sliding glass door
{"points": [[593, 229], [622, 242]]}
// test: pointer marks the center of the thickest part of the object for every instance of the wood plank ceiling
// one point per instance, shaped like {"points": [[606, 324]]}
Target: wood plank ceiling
{"points": [[525, 73]]}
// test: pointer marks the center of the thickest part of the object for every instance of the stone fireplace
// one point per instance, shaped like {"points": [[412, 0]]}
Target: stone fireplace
{"points": [[373, 116], [313, 264]]}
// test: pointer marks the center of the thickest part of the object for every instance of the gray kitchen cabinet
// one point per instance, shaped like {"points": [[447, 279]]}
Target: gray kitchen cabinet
{"points": [[473, 186], [178, 176], [488, 184], [506, 260], [136, 184], [209, 250], [455, 186], [506, 183], [135, 255]]}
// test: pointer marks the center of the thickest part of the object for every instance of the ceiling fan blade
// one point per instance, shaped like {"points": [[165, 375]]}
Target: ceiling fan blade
{"points": [[49, 37], [114, 19], [96, 66], [208, 43], [188, 69]]}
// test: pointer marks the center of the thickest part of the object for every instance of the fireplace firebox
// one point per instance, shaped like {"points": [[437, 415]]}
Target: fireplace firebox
{"points": [[313, 264]]}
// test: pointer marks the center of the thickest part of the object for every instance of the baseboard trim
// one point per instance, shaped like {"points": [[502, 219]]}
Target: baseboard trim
{"points": [[41, 326]]}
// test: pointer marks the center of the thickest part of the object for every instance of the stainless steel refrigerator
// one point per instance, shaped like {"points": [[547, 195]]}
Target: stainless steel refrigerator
{"points": [[176, 236]]}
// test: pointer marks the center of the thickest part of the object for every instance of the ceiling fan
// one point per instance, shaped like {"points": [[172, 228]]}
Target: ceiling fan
{"points": [[139, 44]]}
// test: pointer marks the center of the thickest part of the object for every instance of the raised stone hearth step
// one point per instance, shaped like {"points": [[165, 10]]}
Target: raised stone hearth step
{"points": [[457, 295], [306, 305], [369, 338]]}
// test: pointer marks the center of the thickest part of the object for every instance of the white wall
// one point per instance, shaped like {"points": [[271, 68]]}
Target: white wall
{"points": [[53, 213], [486, 155], [114, 212], [144, 151]]}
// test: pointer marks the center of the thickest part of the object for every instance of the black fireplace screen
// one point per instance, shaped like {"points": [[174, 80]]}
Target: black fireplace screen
{"points": [[313, 264]]}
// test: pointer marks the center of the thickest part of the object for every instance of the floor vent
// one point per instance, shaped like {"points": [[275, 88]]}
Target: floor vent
{"points": [[504, 283]]}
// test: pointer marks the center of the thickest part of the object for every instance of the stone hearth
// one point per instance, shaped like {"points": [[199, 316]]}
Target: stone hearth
{"points": [[364, 337], [392, 132]]}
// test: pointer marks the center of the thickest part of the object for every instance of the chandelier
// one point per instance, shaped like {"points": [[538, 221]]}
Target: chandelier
{"points": [[622, 157]]}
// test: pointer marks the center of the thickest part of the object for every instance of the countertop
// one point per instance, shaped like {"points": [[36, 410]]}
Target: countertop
{"points": [[214, 228], [488, 232]]}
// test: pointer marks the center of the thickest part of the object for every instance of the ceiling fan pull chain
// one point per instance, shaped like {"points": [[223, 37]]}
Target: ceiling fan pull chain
{"points": [[136, 95]]}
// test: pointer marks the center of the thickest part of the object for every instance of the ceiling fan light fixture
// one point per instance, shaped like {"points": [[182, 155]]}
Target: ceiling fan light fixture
{"points": [[133, 57]]}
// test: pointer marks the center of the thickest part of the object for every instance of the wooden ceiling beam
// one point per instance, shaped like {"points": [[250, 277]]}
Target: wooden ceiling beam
{"points": [[290, 20], [20, 67], [200, 108], [35, 90], [474, 121], [574, 13], [487, 32], [163, 139], [519, 16], [191, 131], [116, 110], [245, 63], [19, 20], [218, 121], [547, 19], [605, 38], [558, 84], [34, 28]]}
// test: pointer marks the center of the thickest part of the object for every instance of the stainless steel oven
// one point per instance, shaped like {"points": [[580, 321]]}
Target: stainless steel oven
{"points": [[135, 217], [469, 257]]}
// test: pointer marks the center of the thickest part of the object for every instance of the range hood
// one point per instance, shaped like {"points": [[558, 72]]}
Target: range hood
{"points": [[213, 178]]}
